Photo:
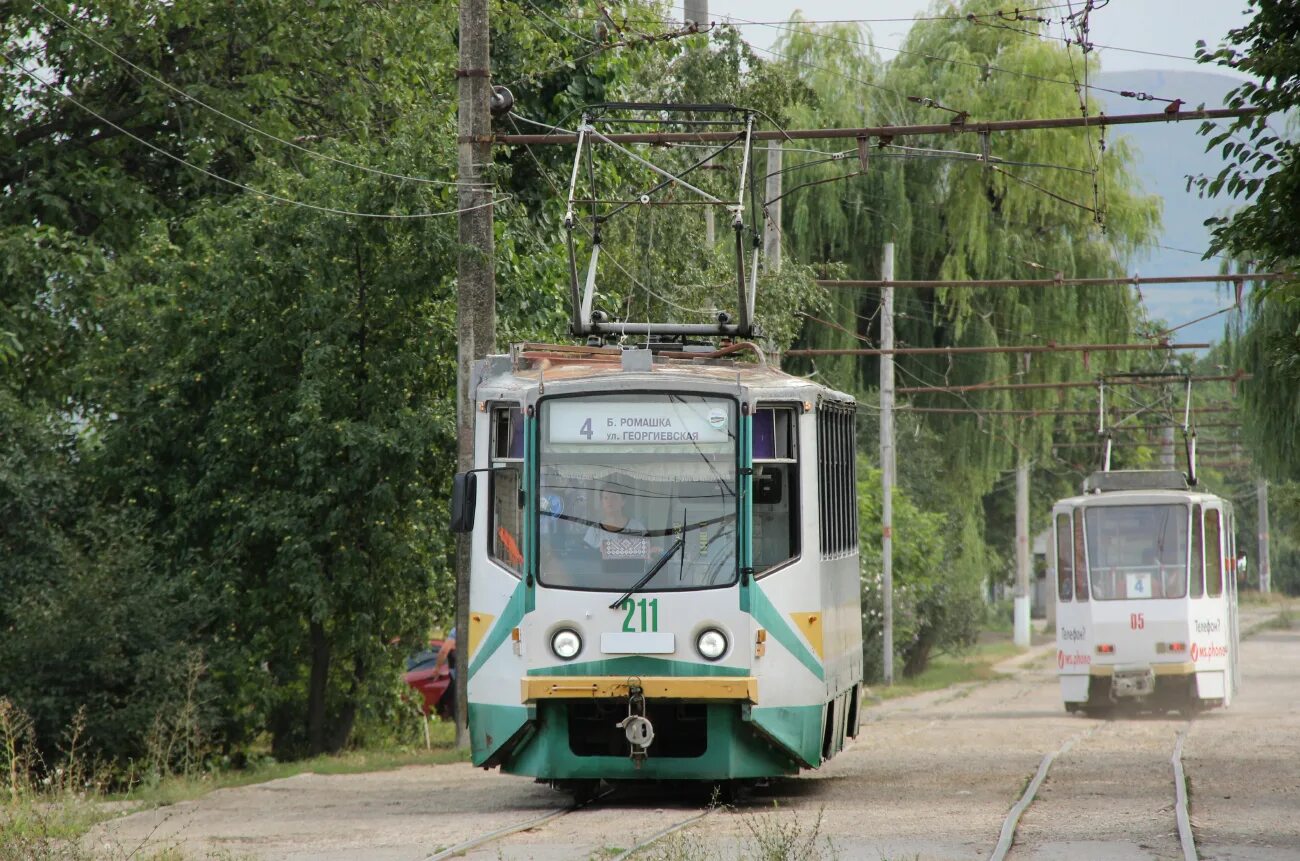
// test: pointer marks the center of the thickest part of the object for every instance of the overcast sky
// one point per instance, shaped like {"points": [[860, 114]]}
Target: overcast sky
{"points": [[1165, 30], [1159, 26]]}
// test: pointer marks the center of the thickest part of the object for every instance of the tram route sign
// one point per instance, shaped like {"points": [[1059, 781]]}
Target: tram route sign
{"points": [[637, 422]]}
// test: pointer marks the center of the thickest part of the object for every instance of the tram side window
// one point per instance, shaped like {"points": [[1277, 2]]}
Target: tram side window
{"points": [[506, 540], [1213, 555], [1064, 559], [1198, 555], [1080, 562], [837, 479], [776, 487]]}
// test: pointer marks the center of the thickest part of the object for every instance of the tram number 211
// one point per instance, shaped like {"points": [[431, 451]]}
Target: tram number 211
{"points": [[648, 617]]}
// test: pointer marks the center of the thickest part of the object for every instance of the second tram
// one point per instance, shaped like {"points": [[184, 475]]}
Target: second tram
{"points": [[1146, 595]]}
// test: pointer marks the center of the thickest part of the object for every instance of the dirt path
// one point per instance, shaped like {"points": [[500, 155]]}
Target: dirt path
{"points": [[930, 777]]}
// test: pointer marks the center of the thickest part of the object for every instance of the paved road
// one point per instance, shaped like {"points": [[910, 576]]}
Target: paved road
{"points": [[930, 777]]}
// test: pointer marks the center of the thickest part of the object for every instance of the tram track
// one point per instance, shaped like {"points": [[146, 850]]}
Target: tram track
{"points": [[488, 838], [1182, 817]]}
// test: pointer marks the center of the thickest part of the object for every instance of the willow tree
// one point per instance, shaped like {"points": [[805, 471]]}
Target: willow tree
{"points": [[1013, 205]]}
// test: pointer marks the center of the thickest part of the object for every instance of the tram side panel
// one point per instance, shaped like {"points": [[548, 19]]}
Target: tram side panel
{"points": [[1073, 619]]}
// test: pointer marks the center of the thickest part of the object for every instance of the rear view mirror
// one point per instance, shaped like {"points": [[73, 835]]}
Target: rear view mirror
{"points": [[464, 497]]}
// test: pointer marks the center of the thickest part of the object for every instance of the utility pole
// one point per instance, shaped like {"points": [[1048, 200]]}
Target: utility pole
{"points": [[771, 192], [695, 12], [1022, 552], [887, 461], [475, 286], [1265, 570]]}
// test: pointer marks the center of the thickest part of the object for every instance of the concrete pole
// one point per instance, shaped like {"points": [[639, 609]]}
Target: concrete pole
{"points": [[695, 12], [475, 286], [1167, 458], [1265, 570], [772, 229], [1022, 553], [887, 460]]}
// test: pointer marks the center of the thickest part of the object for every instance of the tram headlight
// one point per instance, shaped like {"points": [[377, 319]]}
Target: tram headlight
{"points": [[566, 644], [711, 644]]}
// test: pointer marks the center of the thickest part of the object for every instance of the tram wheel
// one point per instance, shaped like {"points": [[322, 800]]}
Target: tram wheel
{"points": [[582, 791]]}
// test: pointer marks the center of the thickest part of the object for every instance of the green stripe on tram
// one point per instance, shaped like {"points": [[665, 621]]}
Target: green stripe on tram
{"points": [[510, 616], [766, 614]]}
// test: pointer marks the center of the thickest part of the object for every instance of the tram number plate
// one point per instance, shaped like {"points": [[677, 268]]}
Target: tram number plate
{"points": [[1137, 621], [643, 612]]}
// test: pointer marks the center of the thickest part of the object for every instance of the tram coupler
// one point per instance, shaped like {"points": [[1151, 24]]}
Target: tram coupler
{"points": [[1136, 682], [638, 730]]}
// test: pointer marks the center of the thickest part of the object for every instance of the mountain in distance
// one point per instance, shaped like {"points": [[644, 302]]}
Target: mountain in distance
{"points": [[1165, 154]]}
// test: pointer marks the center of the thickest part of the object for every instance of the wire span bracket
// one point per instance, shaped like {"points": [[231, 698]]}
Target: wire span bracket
{"points": [[748, 218]]}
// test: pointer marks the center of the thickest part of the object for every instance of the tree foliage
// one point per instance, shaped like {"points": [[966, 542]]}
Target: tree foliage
{"points": [[1262, 169]]}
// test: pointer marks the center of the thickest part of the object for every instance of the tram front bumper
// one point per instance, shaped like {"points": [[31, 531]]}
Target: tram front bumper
{"points": [[730, 688]]}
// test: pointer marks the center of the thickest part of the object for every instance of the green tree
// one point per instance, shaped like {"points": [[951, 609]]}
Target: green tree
{"points": [[1262, 169]]}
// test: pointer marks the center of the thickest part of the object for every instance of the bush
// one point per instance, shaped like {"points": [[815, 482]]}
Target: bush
{"points": [[937, 601]]}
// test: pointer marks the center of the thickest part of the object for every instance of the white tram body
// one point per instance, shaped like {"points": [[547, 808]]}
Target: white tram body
{"points": [[664, 568], [1146, 595]]}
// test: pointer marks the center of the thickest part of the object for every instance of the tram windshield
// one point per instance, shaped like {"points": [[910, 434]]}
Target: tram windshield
{"points": [[631, 484], [1137, 551]]}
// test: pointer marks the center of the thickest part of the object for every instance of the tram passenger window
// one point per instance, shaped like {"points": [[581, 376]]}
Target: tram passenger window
{"points": [[506, 540], [1080, 563], [1198, 555], [776, 487], [1213, 555], [837, 479], [1064, 559]]}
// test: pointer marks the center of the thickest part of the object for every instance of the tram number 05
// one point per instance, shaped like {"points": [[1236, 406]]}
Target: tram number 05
{"points": [[1137, 621], [649, 616]]}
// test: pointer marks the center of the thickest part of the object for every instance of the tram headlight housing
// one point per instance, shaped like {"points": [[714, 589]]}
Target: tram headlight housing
{"points": [[566, 644], [711, 644]]}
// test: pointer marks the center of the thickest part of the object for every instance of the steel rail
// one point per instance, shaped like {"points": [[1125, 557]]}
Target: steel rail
{"points": [[658, 835], [506, 831], [1186, 839], [1185, 836], [1008, 833]]}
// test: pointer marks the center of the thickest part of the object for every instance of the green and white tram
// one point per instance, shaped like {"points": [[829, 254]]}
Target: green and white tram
{"points": [[1146, 603], [664, 580]]}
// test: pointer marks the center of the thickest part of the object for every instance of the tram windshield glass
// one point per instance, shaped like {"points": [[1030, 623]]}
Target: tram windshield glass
{"points": [[630, 483], [1137, 551]]}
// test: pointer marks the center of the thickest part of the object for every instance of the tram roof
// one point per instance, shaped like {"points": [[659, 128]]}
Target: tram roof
{"points": [[528, 365]]}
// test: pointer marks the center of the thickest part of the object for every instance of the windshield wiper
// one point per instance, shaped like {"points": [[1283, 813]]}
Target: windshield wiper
{"points": [[649, 575]]}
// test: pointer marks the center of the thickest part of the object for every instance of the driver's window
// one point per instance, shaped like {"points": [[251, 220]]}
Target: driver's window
{"points": [[506, 540]]}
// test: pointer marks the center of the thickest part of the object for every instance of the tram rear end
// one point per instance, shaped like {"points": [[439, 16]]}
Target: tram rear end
{"points": [[1145, 614]]}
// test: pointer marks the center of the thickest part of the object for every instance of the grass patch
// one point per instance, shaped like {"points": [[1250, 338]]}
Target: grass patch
{"points": [[175, 789], [945, 671]]}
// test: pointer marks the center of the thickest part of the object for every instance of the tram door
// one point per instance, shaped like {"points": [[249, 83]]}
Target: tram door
{"points": [[1214, 645], [1073, 640]]}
